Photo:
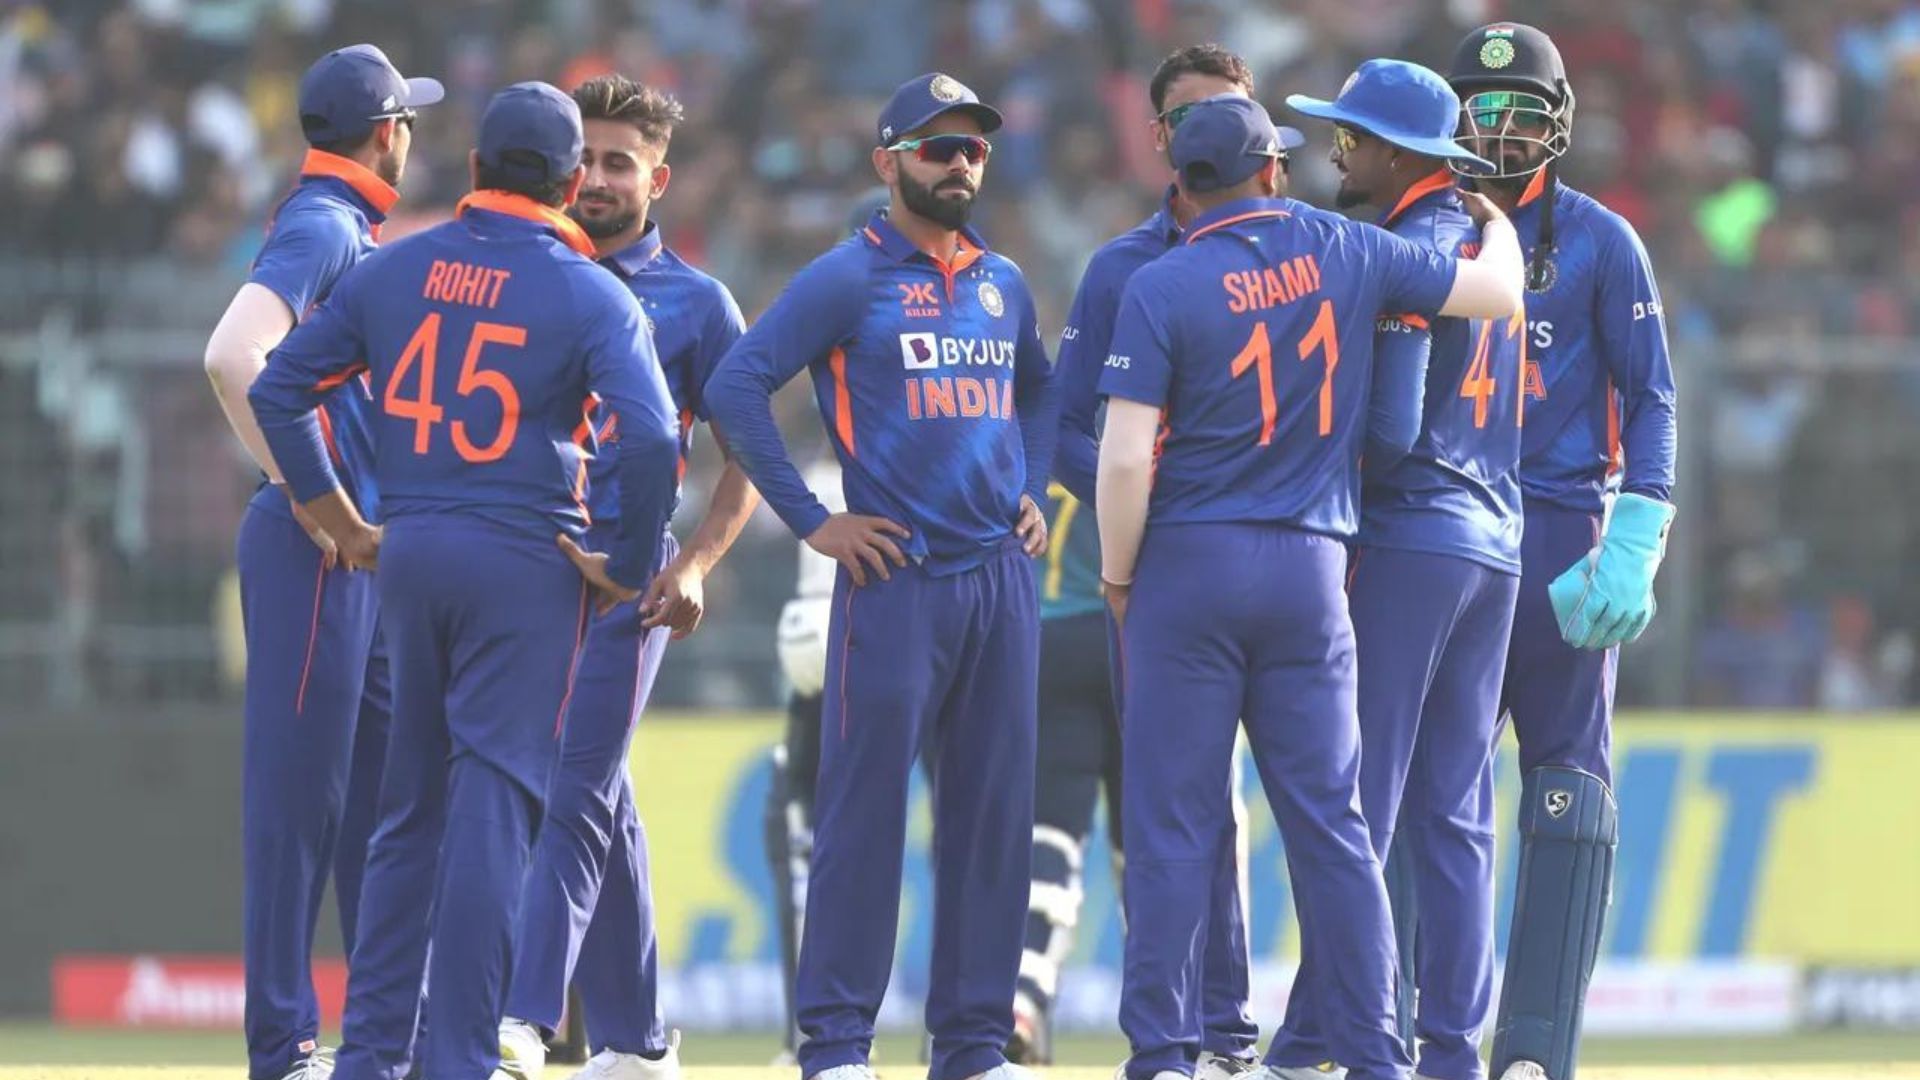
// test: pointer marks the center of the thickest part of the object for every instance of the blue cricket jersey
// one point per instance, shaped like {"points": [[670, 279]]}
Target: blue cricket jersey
{"points": [[930, 377], [327, 224], [1457, 492], [693, 321], [1255, 339], [484, 338], [1599, 380]]}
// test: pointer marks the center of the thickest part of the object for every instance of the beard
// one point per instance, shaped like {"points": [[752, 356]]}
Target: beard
{"points": [[925, 200], [608, 219], [1350, 196]]}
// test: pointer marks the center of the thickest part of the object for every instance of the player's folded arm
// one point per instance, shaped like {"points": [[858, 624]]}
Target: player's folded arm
{"points": [[1037, 401], [1395, 400]]}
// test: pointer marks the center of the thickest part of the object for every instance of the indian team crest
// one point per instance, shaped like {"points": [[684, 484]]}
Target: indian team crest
{"points": [[946, 88], [1497, 51], [1549, 272], [991, 300]]}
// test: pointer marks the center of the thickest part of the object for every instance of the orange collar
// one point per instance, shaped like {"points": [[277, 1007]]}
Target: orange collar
{"points": [[1439, 180], [1535, 187], [512, 205], [377, 192]]}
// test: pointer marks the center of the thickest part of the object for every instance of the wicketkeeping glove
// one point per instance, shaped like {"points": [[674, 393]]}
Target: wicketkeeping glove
{"points": [[1606, 598]]}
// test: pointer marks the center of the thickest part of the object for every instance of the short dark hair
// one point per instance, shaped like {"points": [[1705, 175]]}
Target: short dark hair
{"points": [[1208, 59], [345, 147], [651, 110], [509, 176]]}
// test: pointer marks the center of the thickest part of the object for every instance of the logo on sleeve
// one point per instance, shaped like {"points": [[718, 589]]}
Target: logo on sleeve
{"points": [[920, 352]]}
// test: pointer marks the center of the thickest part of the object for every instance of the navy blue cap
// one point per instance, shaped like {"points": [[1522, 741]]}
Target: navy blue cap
{"points": [[1224, 140], [918, 101], [348, 90], [531, 133], [1405, 104]]}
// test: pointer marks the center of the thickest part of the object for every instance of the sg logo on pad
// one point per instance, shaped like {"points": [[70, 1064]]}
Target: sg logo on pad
{"points": [[1557, 802], [920, 352]]}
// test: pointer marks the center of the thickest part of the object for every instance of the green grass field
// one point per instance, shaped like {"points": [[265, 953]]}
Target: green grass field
{"points": [[43, 1052]]}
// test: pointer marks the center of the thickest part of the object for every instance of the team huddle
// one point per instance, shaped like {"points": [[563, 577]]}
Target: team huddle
{"points": [[1349, 493]]}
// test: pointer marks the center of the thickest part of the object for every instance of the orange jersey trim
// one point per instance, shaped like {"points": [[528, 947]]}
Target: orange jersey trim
{"points": [[842, 399], [1427, 185], [379, 194], [506, 202]]}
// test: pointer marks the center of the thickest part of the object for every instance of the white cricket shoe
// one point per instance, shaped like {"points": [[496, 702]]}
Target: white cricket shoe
{"points": [[845, 1072], [1525, 1070], [614, 1065], [317, 1065], [1326, 1070], [1006, 1071], [523, 1051], [1120, 1073], [1212, 1066]]}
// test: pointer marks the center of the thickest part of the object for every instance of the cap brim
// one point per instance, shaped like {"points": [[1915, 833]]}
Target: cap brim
{"points": [[1318, 108], [424, 92], [1290, 138]]}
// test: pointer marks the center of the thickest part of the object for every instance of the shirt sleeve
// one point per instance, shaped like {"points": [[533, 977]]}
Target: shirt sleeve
{"points": [[322, 352], [820, 309], [1402, 345], [1036, 400], [623, 369], [1411, 277], [303, 258], [1083, 353], [724, 326], [1631, 332], [1139, 364]]}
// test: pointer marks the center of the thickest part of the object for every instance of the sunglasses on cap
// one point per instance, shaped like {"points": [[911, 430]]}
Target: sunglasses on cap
{"points": [[405, 116], [940, 149]]}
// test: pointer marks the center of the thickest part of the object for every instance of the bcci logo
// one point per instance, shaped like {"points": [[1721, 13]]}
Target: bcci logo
{"points": [[919, 352], [1557, 803], [947, 89], [1497, 52], [1549, 272], [991, 300]]}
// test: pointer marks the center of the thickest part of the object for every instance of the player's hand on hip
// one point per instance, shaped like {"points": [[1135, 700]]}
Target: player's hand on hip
{"points": [[676, 599], [607, 593], [360, 550], [1032, 527], [329, 551], [860, 542]]}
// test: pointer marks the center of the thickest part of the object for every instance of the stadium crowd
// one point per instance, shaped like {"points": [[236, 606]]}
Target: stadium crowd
{"points": [[1766, 150]]}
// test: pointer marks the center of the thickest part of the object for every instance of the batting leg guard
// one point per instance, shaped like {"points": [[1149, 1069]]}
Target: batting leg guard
{"points": [[789, 842], [1568, 829]]}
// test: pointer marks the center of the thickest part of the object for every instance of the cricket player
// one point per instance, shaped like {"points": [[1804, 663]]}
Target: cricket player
{"points": [[316, 686], [1079, 725], [484, 337], [1598, 383], [929, 371], [588, 910], [1228, 483], [1432, 581]]}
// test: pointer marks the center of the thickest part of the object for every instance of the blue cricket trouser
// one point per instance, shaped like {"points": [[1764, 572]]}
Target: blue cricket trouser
{"points": [[953, 660], [1233, 624], [1227, 1026], [306, 775], [1560, 697], [1431, 634], [484, 626], [588, 910]]}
